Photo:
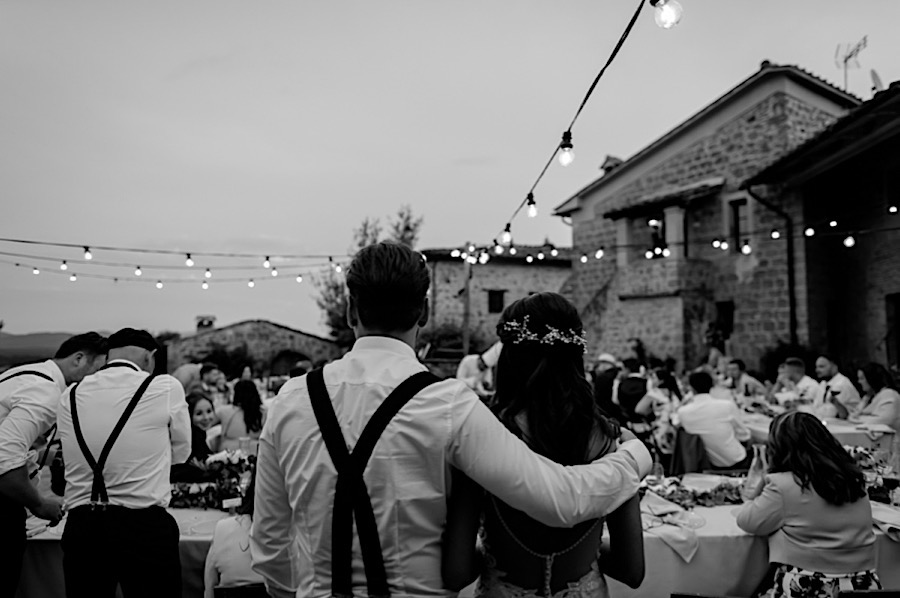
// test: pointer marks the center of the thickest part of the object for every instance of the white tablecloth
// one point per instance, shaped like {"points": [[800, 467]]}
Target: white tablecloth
{"points": [[844, 431]]}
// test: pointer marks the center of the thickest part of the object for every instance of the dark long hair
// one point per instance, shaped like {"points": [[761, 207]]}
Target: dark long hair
{"points": [[801, 444], [246, 396], [878, 377], [545, 382]]}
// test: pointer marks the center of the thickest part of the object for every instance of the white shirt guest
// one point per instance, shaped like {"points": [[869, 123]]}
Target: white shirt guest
{"points": [[408, 474], [716, 421], [121, 429], [833, 386]]}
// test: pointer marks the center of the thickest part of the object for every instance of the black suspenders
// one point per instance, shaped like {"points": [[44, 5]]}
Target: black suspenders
{"points": [[99, 496], [351, 495], [51, 431]]}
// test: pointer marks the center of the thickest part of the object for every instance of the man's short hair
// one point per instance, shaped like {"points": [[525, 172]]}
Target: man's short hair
{"points": [[795, 362], [631, 364], [208, 367], [89, 342], [389, 283], [828, 358], [740, 364], [701, 382]]}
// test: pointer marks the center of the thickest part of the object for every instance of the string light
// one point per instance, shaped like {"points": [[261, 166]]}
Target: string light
{"points": [[87, 253], [540, 255], [849, 241], [137, 271], [507, 234], [668, 12], [654, 223], [657, 251], [73, 278], [188, 261], [471, 249], [716, 243], [498, 249], [554, 252], [775, 234], [513, 250], [299, 278], [666, 252], [584, 258], [532, 207], [528, 258], [454, 253], [599, 254], [267, 264], [566, 155], [250, 283], [274, 272], [892, 209], [36, 271], [64, 265], [649, 254], [833, 223], [483, 258], [746, 249], [723, 246], [338, 269], [205, 285], [159, 284], [809, 232], [464, 255], [207, 274]]}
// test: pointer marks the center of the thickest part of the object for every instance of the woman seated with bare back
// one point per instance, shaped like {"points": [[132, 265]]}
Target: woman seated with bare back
{"points": [[545, 399]]}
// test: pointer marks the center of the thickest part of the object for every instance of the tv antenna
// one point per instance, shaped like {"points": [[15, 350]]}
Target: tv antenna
{"points": [[850, 55], [877, 85]]}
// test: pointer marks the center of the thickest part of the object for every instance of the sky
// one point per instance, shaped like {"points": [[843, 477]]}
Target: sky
{"points": [[276, 127]]}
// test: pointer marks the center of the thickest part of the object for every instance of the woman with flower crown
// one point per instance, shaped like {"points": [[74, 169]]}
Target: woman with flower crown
{"points": [[545, 399]]}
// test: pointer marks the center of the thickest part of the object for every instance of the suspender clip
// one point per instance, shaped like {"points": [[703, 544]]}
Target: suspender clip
{"points": [[97, 505]]}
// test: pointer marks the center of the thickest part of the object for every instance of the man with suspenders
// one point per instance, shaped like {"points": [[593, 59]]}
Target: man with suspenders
{"points": [[354, 461], [121, 429], [29, 396]]}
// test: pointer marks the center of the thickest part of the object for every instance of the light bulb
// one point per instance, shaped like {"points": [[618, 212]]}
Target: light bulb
{"points": [[540, 255], [849, 241], [267, 264], [188, 261], [513, 251], [892, 209], [566, 156], [584, 259], [809, 232], [205, 285], [73, 278], [464, 255], [507, 234], [528, 258], [554, 252], [338, 269], [666, 252], [159, 284], [648, 254], [716, 243], [668, 13], [599, 254], [833, 223], [776, 234], [654, 223], [724, 246], [471, 249], [299, 278], [532, 210], [657, 250], [498, 249], [137, 271], [64, 265], [746, 249], [454, 253], [472, 260], [87, 253], [250, 283], [274, 271], [483, 258], [207, 274], [35, 271]]}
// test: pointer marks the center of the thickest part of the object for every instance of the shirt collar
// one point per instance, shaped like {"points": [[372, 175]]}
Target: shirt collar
{"points": [[703, 396], [56, 374], [383, 344], [128, 361]]}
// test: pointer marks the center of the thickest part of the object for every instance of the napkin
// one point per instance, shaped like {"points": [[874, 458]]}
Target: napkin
{"points": [[683, 540], [887, 519]]}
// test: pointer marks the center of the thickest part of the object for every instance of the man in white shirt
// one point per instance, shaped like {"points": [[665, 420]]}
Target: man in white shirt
{"points": [[121, 429], [302, 539], [29, 395], [717, 422], [836, 396], [741, 382], [804, 386]]}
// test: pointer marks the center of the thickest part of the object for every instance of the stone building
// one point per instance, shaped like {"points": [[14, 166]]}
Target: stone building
{"points": [[846, 183], [673, 199], [270, 348], [473, 296]]}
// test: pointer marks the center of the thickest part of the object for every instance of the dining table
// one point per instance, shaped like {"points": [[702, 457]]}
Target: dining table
{"points": [[847, 433]]}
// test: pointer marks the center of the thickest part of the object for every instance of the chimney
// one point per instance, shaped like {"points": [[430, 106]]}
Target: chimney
{"points": [[610, 164], [205, 323]]}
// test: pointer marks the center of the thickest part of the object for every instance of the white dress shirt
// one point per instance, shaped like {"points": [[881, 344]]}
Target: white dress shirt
{"points": [[228, 560], [408, 475], [159, 431], [27, 412], [845, 391], [718, 423], [807, 388]]}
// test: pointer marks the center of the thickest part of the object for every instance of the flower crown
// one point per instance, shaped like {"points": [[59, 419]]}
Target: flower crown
{"points": [[515, 332]]}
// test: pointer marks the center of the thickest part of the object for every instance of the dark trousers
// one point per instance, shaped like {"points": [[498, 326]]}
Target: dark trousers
{"points": [[134, 548], [12, 546]]}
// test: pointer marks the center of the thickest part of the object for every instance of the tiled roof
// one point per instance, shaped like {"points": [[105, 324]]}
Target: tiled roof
{"points": [[670, 196]]}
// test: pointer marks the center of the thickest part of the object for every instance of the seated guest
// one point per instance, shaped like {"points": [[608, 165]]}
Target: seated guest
{"points": [[475, 373], [804, 386], [606, 373], [836, 396], [881, 404], [203, 419], [717, 422], [243, 418], [630, 390], [741, 382], [228, 560], [815, 511]]}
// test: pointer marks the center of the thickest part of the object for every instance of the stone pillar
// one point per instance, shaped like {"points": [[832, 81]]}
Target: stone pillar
{"points": [[674, 217], [623, 241]]}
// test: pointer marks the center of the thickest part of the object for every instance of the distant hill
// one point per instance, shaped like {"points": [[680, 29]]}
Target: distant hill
{"points": [[25, 348]]}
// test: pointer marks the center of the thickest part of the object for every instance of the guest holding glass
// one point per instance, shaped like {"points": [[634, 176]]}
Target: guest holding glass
{"points": [[814, 509], [836, 395], [242, 421]]}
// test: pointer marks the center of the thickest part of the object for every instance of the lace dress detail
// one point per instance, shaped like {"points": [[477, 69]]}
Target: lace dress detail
{"points": [[492, 585]]}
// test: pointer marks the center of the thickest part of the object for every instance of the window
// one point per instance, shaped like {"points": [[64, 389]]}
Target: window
{"points": [[495, 302], [725, 318], [740, 223]]}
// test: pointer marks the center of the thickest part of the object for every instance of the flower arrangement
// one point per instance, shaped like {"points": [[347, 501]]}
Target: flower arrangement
{"points": [[672, 490], [881, 478], [228, 472]]}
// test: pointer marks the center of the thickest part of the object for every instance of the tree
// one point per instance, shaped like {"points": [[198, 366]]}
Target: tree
{"points": [[332, 297]]}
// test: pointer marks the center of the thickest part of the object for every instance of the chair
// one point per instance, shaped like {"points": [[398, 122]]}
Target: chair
{"points": [[870, 594], [689, 455], [256, 590]]}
